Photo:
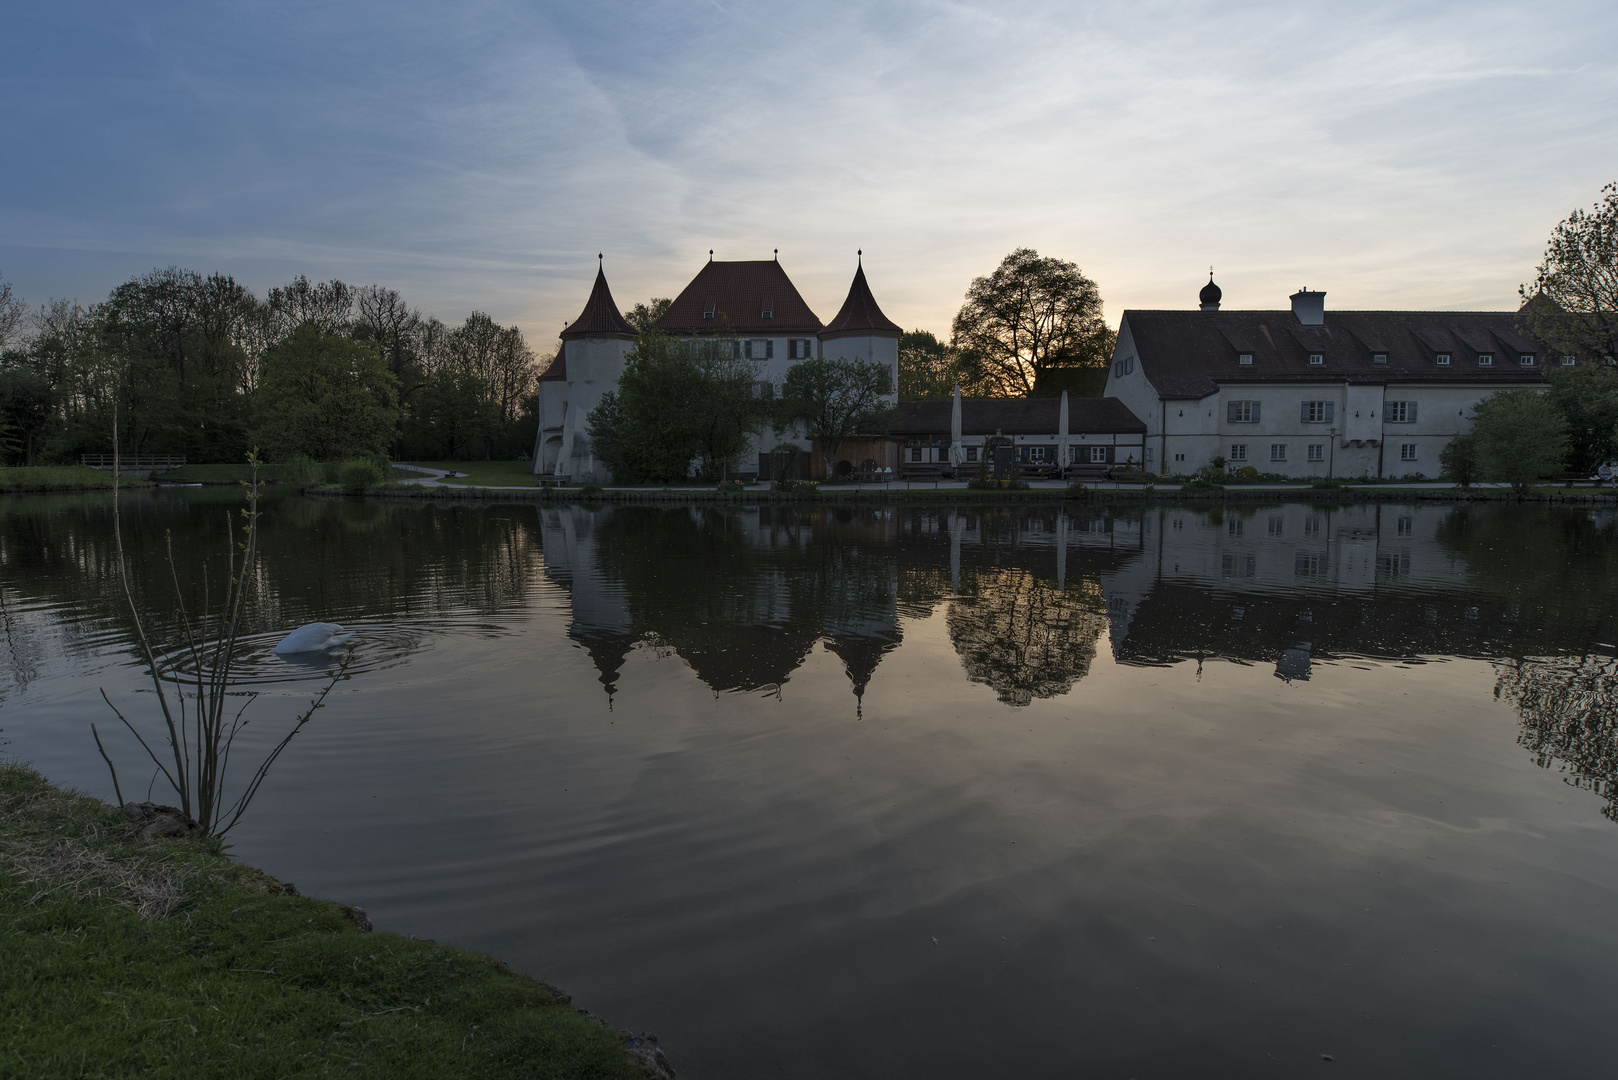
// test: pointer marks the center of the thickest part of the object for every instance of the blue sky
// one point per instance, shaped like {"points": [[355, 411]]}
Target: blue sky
{"points": [[480, 154]]}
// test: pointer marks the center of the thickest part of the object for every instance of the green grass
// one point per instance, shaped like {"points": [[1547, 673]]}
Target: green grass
{"points": [[487, 473], [224, 474], [57, 478], [126, 957]]}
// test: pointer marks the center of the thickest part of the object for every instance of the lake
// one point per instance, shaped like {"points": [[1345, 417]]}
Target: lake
{"points": [[909, 791]]}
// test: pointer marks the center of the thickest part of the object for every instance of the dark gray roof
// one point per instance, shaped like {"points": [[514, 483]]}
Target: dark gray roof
{"points": [[1188, 353], [1016, 416]]}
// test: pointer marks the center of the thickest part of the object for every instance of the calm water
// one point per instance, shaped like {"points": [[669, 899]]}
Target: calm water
{"points": [[912, 792]]}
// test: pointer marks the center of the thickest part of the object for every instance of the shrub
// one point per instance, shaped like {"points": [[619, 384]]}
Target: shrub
{"points": [[1074, 487], [1458, 462], [801, 486], [305, 472], [732, 487], [358, 475], [1247, 472]]}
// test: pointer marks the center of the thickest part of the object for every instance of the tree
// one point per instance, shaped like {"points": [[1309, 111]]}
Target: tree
{"points": [[679, 404], [1573, 303], [1587, 397], [930, 370], [327, 304], [1031, 315], [643, 316], [12, 310], [1458, 461], [835, 400], [1520, 436], [453, 416], [325, 396]]}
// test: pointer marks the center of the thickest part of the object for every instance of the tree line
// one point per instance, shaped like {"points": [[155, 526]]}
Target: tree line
{"points": [[199, 365]]}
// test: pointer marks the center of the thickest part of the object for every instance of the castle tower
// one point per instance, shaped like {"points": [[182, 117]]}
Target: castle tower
{"points": [[594, 347], [861, 332]]}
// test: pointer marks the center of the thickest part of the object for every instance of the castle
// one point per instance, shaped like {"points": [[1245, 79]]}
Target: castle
{"points": [[751, 304]]}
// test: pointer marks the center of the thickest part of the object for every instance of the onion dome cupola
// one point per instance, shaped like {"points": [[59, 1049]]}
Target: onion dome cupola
{"points": [[1210, 294]]}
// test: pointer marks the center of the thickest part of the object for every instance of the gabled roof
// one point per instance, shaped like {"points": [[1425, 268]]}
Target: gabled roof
{"points": [[1016, 416], [1188, 354], [600, 317], [860, 314], [734, 297]]}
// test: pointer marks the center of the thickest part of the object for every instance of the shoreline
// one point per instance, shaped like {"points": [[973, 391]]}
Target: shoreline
{"points": [[118, 921]]}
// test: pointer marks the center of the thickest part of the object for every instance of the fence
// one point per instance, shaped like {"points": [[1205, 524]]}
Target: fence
{"points": [[134, 462]]}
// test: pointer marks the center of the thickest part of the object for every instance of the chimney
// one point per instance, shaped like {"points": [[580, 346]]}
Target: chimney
{"points": [[1309, 307]]}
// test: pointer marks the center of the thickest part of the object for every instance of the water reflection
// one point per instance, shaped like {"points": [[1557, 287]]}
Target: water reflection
{"points": [[1569, 710]]}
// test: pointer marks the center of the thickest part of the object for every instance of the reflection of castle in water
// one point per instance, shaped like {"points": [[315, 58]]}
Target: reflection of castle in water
{"points": [[744, 595]]}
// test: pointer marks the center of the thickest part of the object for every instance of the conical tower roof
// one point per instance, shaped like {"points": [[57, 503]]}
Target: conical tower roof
{"points": [[860, 314], [600, 317]]}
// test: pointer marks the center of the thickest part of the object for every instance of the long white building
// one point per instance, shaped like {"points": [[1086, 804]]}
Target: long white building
{"points": [[1308, 392]]}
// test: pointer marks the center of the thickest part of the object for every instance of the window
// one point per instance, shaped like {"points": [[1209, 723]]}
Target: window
{"points": [[710, 309], [1317, 412], [1238, 451], [1317, 451], [1406, 526], [1485, 359], [1236, 526], [1148, 455], [760, 349], [1308, 565], [1407, 451], [768, 311], [1400, 412], [1311, 527], [1098, 455], [971, 453], [1239, 566], [1526, 359], [1245, 359], [915, 453], [1278, 451], [1179, 457], [1392, 565], [1379, 358], [1441, 359], [766, 390], [1242, 412], [1316, 359], [1129, 364], [1567, 361], [801, 348], [1034, 453], [1277, 525]]}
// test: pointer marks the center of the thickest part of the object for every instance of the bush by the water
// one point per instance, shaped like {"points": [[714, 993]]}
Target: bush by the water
{"points": [[359, 475]]}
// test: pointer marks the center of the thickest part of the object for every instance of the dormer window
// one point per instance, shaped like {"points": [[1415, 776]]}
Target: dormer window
{"points": [[769, 310], [1379, 358], [1526, 359], [1485, 359], [1317, 359], [1442, 359], [1245, 359], [1567, 361], [710, 309]]}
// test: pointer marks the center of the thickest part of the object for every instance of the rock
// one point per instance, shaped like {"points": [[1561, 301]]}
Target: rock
{"points": [[643, 1050], [357, 916], [153, 821]]}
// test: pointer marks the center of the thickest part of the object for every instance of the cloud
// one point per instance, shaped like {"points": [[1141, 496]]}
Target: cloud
{"points": [[480, 155]]}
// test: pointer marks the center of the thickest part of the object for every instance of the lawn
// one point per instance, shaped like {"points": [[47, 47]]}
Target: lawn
{"points": [[487, 473], [57, 478], [128, 957]]}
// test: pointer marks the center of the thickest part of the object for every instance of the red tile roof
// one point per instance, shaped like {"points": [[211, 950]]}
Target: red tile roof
{"points": [[1188, 354], [558, 368], [600, 317], [860, 314], [735, 296]]}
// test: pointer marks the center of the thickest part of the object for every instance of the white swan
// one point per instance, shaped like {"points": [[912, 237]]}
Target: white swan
{"points": [[313, 637]]}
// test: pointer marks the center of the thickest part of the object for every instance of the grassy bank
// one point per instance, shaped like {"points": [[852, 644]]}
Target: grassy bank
{"points": [[125, 956], [58, 478]]}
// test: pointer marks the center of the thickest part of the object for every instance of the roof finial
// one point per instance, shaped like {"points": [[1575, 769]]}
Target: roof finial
{"points": [[859, 256], [777, 254], [710, 254], [599, 259]]}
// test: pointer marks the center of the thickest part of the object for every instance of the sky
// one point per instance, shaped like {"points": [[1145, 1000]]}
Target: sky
{"points": [[479, 155]]}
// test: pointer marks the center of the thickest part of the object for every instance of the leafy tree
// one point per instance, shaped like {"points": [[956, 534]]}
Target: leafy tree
{"points": [[1520, 436], [1031, 315], [453, 416], [327, 304], [1458, 461], [643, 316], [1587, 397], [679, 404], [1573, 302], [930, 370], [835, 400], [325, 396], [12, 310]]}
